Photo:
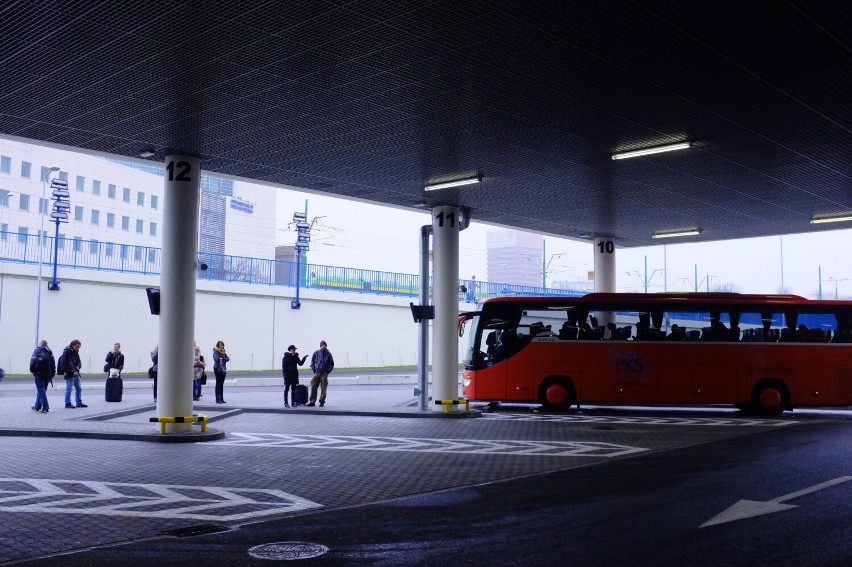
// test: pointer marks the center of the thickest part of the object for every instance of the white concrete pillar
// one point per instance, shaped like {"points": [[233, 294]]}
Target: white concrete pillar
{"points": [[445, 282], [181, 201], [604, 251], [604, 264]]}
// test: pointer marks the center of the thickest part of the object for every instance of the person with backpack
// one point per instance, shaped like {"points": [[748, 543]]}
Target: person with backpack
{"points": [[69, 365], [43, 368], [322, 363]]}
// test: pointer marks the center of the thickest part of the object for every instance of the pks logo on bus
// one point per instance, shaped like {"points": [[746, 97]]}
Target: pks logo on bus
{"points": [[627, 364]]}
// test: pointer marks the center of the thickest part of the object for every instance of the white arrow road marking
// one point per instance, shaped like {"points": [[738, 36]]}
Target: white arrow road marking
{"points": [[145, 500], [749, 508], [420, 445]]}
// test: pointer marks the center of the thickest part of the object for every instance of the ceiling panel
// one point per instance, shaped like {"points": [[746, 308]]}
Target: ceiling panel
{"points": [[370, 99]]}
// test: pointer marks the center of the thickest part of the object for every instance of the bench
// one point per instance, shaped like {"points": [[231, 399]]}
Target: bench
{"points": [[200, 418], [448, 403]]}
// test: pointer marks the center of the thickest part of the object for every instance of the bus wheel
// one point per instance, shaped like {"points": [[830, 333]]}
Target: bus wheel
{"points": [[770, 398], [557, 394]]}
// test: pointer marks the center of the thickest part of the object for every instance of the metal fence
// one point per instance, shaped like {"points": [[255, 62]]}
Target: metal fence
{"points": [[76, 253]]}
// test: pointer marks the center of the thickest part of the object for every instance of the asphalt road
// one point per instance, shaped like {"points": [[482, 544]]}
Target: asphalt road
{"points": [[602, 487]]}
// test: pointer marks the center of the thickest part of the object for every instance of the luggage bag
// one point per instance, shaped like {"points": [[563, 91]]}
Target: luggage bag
{"points": [[114, 389], [300, 395]]}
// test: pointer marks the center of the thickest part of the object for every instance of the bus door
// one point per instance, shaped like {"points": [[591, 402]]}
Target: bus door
{"points": [[490, 369]]}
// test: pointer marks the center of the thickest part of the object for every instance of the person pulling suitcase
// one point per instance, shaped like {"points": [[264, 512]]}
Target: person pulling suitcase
{"points": [[114, 364], [290, 368]]}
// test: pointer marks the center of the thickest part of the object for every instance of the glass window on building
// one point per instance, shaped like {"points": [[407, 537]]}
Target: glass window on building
{"points": [[111, 220], [152, 256], [137, 253], [78, 243], [125, 223], [154, 201], [43, 206], [26, 169], [125, 196], [123, 251], [60, 243], [5, 164], [96, 216], [24, 203], [22, 234], [153, 229], [139, 226], [108, 249], [63, 175], [111, 191], [140, 198], [78, 213], [4, 231], [93, 246], [81, 183], [96, 187], [5, 196]]}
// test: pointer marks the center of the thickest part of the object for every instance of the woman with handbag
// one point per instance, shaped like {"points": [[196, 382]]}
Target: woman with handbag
{"points": [[197, 373], [220, 368]]}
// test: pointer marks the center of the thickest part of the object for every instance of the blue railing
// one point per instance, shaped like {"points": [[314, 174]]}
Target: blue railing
{"points": [[130, 258]]}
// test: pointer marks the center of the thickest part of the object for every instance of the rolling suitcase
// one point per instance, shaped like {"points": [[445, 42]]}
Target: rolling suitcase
{"points": [[114, 389], [300, 395]]}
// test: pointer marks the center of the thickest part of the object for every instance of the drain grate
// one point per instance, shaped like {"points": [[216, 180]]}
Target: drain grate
{"points": [[287, 550], [193, 531]]}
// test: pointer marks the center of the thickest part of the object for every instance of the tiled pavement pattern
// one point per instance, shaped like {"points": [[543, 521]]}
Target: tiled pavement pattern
{"points": [[310, 471]]}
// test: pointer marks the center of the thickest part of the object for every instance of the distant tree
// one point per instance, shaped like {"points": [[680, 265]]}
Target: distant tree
{"points": [[728, 287]]}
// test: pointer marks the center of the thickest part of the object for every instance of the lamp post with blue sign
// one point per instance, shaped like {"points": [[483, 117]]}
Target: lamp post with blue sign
{"points": [[303, 241], [59, 214]]}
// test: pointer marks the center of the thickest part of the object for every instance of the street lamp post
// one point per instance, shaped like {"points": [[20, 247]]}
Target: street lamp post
{"points": [[835, 280], [44, 179]]}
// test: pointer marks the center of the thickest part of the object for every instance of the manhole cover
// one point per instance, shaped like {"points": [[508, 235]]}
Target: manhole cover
{"points": [[287, 550]]}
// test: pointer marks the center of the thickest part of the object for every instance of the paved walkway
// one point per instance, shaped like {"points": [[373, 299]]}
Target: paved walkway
{"points": [[390, 395]]}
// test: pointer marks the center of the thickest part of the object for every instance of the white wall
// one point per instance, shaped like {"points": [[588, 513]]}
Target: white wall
{"points": [[255, 322]]}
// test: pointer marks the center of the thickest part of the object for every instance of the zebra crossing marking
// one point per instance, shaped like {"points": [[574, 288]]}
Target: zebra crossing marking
{"points": [[423, 445], [145, 500]]}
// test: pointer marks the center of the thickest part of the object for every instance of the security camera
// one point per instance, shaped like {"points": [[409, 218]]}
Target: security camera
{"points": [[203, 267]]}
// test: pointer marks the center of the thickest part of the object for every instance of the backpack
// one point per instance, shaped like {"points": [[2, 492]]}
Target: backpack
{"points": [[39, 364], [60, 365]]}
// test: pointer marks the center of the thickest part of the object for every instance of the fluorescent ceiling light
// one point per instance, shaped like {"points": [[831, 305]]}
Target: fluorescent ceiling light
{"points": [[691, 232], [146, 154], [456, 183], [839, 218], [654, 150]]}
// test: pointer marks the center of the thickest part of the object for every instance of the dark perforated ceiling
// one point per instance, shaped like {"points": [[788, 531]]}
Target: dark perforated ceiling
{"points": [[370, 99]]}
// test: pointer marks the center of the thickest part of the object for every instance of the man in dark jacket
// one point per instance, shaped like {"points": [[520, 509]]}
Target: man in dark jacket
{"points": [[114, 359], [322, 363], [290, 367], [69, 365], [43, 367]]}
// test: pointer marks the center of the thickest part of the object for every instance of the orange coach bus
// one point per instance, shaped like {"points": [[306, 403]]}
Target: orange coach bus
{"points": [[762, 353]]}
